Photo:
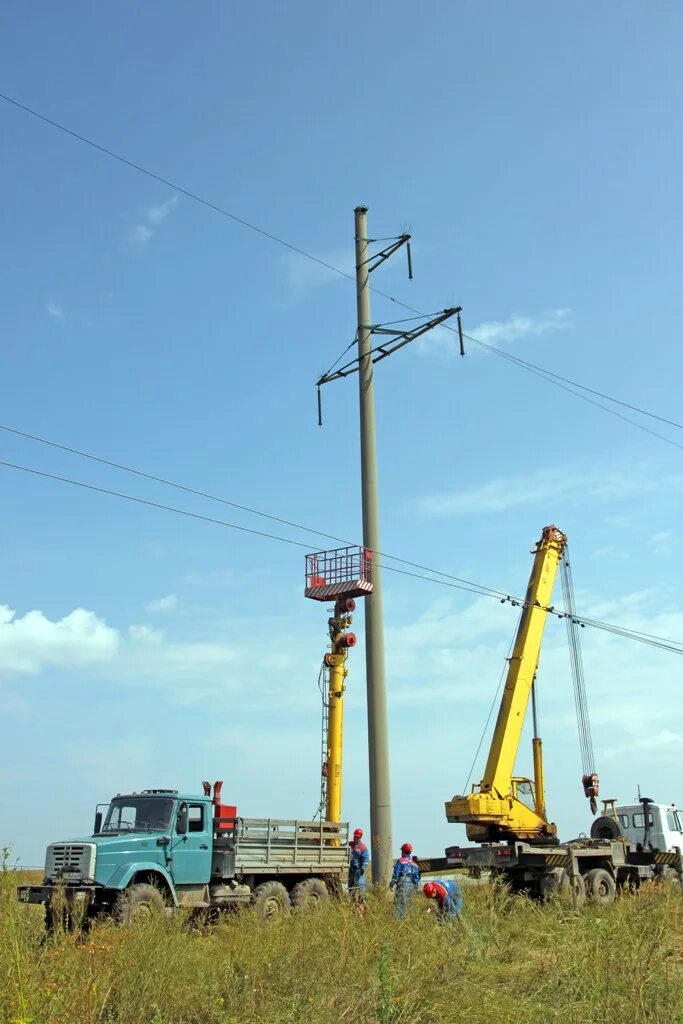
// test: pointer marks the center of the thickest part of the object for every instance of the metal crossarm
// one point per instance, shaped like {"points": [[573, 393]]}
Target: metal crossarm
{"points": [[397, 340]]}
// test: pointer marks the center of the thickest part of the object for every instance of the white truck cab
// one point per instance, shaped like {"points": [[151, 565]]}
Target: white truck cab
{"points": [[665, 828]]}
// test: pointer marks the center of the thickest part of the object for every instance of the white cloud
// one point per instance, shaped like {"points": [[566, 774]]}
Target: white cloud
{"points": [[494, 331], [663, 744], [444, 341], [662, 542], [303, 273], [141, 654], [33, 642], [55, 310], [162, 604], [157, 214], [140, 234], [554, 485], [609, 551], [152, 218], [212, 576]]}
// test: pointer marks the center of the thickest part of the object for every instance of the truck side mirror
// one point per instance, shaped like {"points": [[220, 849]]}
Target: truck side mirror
{"points": [[98, 823], [183, 819]]}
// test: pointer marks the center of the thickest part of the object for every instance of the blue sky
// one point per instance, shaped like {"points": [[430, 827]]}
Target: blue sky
{"points": [[531, 152]]}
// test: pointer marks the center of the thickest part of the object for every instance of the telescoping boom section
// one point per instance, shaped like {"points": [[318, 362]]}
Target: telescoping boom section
{"points": [[503, 806]]}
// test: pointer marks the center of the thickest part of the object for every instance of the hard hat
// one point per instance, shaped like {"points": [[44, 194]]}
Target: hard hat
{"points": [[429, 890], [358, 833], [407, 848]]}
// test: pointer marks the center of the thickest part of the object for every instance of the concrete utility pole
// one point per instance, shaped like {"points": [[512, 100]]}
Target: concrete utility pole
{"points": [[378, 738], [392, 338]]}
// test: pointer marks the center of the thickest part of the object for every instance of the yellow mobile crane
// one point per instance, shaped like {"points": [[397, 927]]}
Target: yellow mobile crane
{"points": [[494, 809], [518, 843]]}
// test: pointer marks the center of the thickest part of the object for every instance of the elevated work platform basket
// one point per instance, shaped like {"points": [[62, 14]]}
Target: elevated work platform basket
{"points": [[343, 572]]}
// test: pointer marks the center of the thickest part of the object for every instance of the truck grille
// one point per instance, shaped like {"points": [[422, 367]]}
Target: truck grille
{"points": [[70, 861]]}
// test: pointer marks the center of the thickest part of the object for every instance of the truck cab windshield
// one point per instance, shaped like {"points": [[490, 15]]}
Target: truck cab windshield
{"points": [[138, 814]]}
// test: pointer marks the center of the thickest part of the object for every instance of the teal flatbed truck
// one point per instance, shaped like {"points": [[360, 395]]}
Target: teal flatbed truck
{"points": [[160, 849]]}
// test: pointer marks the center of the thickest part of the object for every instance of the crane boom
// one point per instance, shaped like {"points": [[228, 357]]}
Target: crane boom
{"points": [[494, 810]]}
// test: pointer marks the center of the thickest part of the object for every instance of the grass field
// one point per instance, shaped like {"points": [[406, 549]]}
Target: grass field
{"points": [[508, 961]]}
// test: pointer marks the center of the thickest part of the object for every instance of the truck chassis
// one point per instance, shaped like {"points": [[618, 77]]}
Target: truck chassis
{"points": [[587, 868]]}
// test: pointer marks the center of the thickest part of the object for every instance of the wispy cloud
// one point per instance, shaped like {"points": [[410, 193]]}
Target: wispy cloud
{"points": [[152, 218], [303, 273], [55, 310], [162, 604], [554, 485], [444, 342], [609, 551], [661, 542], [495, 331]]}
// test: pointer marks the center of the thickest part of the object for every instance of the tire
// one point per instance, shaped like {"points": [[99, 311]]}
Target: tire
{"points": [[138, 904], [310, 894], [606, 827], [667, 874], [572, 889], [551, 883], [600, 886], [271, 900], [57, 919]]}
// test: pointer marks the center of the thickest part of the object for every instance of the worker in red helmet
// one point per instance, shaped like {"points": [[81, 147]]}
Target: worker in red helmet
{"points": [[446, 893], [405, 880], [358, 862]]}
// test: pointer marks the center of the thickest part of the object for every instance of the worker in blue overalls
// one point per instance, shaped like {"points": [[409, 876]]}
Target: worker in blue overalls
{"points": [[405, 880], [446, 893], [358, 863]]}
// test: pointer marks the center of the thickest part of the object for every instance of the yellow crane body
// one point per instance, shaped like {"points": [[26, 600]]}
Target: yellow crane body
{"points": [[502, 805], [336, 664]]}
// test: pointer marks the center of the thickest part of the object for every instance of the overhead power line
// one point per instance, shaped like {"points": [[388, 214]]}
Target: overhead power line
{"points": [[464, 583], [565, 380], [548, 375], [172, 184], [674, 646]]}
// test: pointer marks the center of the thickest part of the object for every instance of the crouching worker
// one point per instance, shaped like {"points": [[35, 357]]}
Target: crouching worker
{"points": [[404, 880], [358, 863], [448, 898]]}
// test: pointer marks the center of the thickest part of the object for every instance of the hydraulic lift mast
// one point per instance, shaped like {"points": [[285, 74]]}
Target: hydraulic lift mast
{"points": [[340, 576]]}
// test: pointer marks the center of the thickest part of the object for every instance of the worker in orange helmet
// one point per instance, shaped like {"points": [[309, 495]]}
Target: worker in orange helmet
{"points": [[448, 897], [405, 880], [358, 863]]}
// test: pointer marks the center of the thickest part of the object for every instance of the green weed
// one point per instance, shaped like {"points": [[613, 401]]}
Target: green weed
{"points": [[508, 961]]}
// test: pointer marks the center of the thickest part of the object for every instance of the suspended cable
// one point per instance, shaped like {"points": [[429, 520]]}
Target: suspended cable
{"points": [[591, 401], [549, 375], [670, 645], [174, 185], [466, 584], [493, 703]]}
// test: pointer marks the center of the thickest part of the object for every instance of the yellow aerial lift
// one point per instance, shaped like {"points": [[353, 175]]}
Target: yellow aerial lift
{"points": [[495, 809], [340, 576]]}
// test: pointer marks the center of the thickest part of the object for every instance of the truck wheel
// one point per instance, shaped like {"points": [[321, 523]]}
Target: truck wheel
{"points": [[309, 894], [57, 919], [271, 900], [667, 874], [601, 886], [573, 889], [138, 904], [552, 882]]}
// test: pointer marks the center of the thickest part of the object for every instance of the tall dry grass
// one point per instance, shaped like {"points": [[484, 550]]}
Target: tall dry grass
{"points": [[508, 961]]}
